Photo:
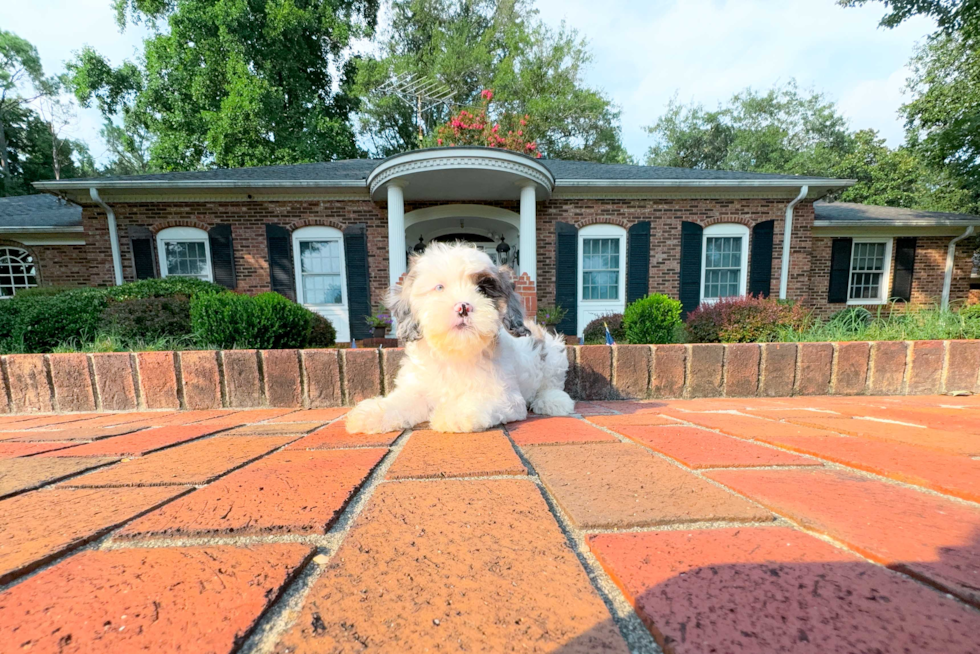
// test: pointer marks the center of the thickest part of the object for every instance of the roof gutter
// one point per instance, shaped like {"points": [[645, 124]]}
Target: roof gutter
{"points": [[883, 222], [113, 235], [950, 258], [787, 240]]}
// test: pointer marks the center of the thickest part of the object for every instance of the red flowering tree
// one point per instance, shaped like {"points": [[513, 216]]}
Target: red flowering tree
{"points": [[476, 127]]}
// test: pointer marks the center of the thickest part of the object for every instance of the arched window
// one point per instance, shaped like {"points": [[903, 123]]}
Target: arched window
{"points": [[725, 261], [184, 252], [17, 270]]}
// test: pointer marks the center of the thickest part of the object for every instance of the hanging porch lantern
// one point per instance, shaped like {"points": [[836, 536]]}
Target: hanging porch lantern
{"points": [[503, 251]]}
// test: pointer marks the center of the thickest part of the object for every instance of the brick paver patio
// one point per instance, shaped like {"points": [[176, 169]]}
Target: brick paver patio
{"points": [[811, 524]]}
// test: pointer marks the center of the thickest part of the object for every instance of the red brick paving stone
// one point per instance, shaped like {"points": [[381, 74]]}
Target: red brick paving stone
{"points": [[705, 371], [14, 450], [193, 463], [778, 369], [632, 370], [190, 599], [67, 433], [335, 435], [304, 415], [242, 417], [618, 485], [435, 454], [963, 367], [275, 428], [37, 527], [888, 367], [128, 418], [925, 377], [748, 427], [280, 369], [964, 420], [851, 376], [29, 389], [930, 537], [241, 375], [614, 421], [54, 421], [816, 363], [669, 370], [362, 374], [697, 448], [137, 443], [322, 372], [498, 575], [595, 372], [545, 431], [392, 361], [286, 492], [776, 590], [945, 473], [933, 439], [742, 369], [114, 380], [200, 379], [158, 380], [592, 409], [18, 475], [71, 381]]}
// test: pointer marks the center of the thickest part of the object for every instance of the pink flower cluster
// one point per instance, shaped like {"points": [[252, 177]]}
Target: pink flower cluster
{"points": [[475, 128]]}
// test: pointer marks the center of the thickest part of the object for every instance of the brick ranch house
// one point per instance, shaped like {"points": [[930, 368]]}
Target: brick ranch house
{"points": [[589, 237]]}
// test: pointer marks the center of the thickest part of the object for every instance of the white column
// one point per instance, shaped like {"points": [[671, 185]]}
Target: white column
{"points": [[528, 236], [396, 232]]}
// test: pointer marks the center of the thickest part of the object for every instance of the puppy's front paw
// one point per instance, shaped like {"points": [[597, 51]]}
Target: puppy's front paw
{"points": [[448, 420], [368, 417], [553, 402]]}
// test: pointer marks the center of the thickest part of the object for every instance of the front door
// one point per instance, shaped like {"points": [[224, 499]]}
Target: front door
{"points": [[320, 275], [602, 272]]}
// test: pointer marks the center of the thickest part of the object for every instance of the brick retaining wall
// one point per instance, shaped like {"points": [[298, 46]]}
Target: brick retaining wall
{"points": [[208, 379]]}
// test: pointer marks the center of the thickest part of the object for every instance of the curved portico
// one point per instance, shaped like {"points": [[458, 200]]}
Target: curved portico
{"points": [[456, 178]]}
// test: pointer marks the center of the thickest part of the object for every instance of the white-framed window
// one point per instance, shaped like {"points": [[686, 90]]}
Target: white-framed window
{"points": [[868, 280], [184, 252], [321, 275], [17, 271], [602, 272], [724, 261]]}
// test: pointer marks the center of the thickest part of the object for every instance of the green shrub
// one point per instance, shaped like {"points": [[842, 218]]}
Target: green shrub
{"points": [[266, 321], [652, 319], [38, 291], [167, 287], [41, 322], [750, 319], [148, 318], [595, 332], [322, 333], [971, 312]]}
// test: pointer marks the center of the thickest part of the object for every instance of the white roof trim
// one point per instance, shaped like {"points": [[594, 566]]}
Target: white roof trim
{"points": [[884, 222], [836, 183], [27, 229], [200, 184]]}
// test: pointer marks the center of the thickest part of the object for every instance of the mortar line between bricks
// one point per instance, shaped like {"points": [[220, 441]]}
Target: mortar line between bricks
{"points": [[281, 614], [638, 638]]}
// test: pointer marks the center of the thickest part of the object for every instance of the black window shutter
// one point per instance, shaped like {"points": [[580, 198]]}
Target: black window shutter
{"points": [[358, 280], [690, 294], [904, 266], [638, 262], [840, 270], [278, 241], [141, 243], [566, 276], [222, 256], [760, 275]]}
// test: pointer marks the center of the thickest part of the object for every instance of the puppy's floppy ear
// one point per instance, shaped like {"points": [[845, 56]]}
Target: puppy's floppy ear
{"points": [[401, 309], [513, 318]]}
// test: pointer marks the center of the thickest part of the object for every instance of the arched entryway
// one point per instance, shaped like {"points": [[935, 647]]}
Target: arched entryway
{"points": [[482, 225]]}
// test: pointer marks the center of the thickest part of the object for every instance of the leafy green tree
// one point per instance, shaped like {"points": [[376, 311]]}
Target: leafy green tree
{"points": [[20, 65], [952, 16], [472, 45], [233, 83]]}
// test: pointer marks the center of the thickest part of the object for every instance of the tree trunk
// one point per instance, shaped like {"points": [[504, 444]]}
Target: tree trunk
{"points": [[4, 162], [55, 164]]}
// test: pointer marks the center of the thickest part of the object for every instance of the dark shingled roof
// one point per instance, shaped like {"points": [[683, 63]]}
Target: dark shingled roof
{"points": [[871, 214], [38, 211], [359, 169]]}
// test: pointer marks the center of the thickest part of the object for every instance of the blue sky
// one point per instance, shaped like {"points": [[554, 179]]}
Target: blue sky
{"points": [[645, 52]]}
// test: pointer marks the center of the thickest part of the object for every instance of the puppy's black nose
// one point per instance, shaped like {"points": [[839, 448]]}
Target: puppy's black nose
{"points": [[463, 309]]}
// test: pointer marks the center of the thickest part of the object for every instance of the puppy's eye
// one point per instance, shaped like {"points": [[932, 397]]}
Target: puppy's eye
{"points": [[439, 287], [488, 287]]}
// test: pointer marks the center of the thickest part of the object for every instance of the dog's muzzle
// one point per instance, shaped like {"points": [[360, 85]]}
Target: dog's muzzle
{"points": [[463, 309]]}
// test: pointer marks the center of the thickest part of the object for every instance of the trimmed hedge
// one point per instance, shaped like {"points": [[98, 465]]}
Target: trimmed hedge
{"points": [[595, 332], [750, 319], [148, 318], [653, 319], [266, 321]]}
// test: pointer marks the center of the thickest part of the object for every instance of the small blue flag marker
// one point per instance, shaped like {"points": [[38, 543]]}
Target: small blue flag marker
{"points": [[353, 344], [609, 338]]}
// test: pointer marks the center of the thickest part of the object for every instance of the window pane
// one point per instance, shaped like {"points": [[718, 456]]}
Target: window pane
{"points": [[322, 289], [16, 271], [867, 269], [186, 258], [320, 257], [722, 266], [600, 269]]}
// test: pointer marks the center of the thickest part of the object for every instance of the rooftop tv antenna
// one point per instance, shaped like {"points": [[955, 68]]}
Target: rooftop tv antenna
{"points": [[419, 92]]}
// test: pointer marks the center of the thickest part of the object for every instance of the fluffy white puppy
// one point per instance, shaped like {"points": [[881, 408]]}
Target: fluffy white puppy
{"points": [[472, 361]]}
